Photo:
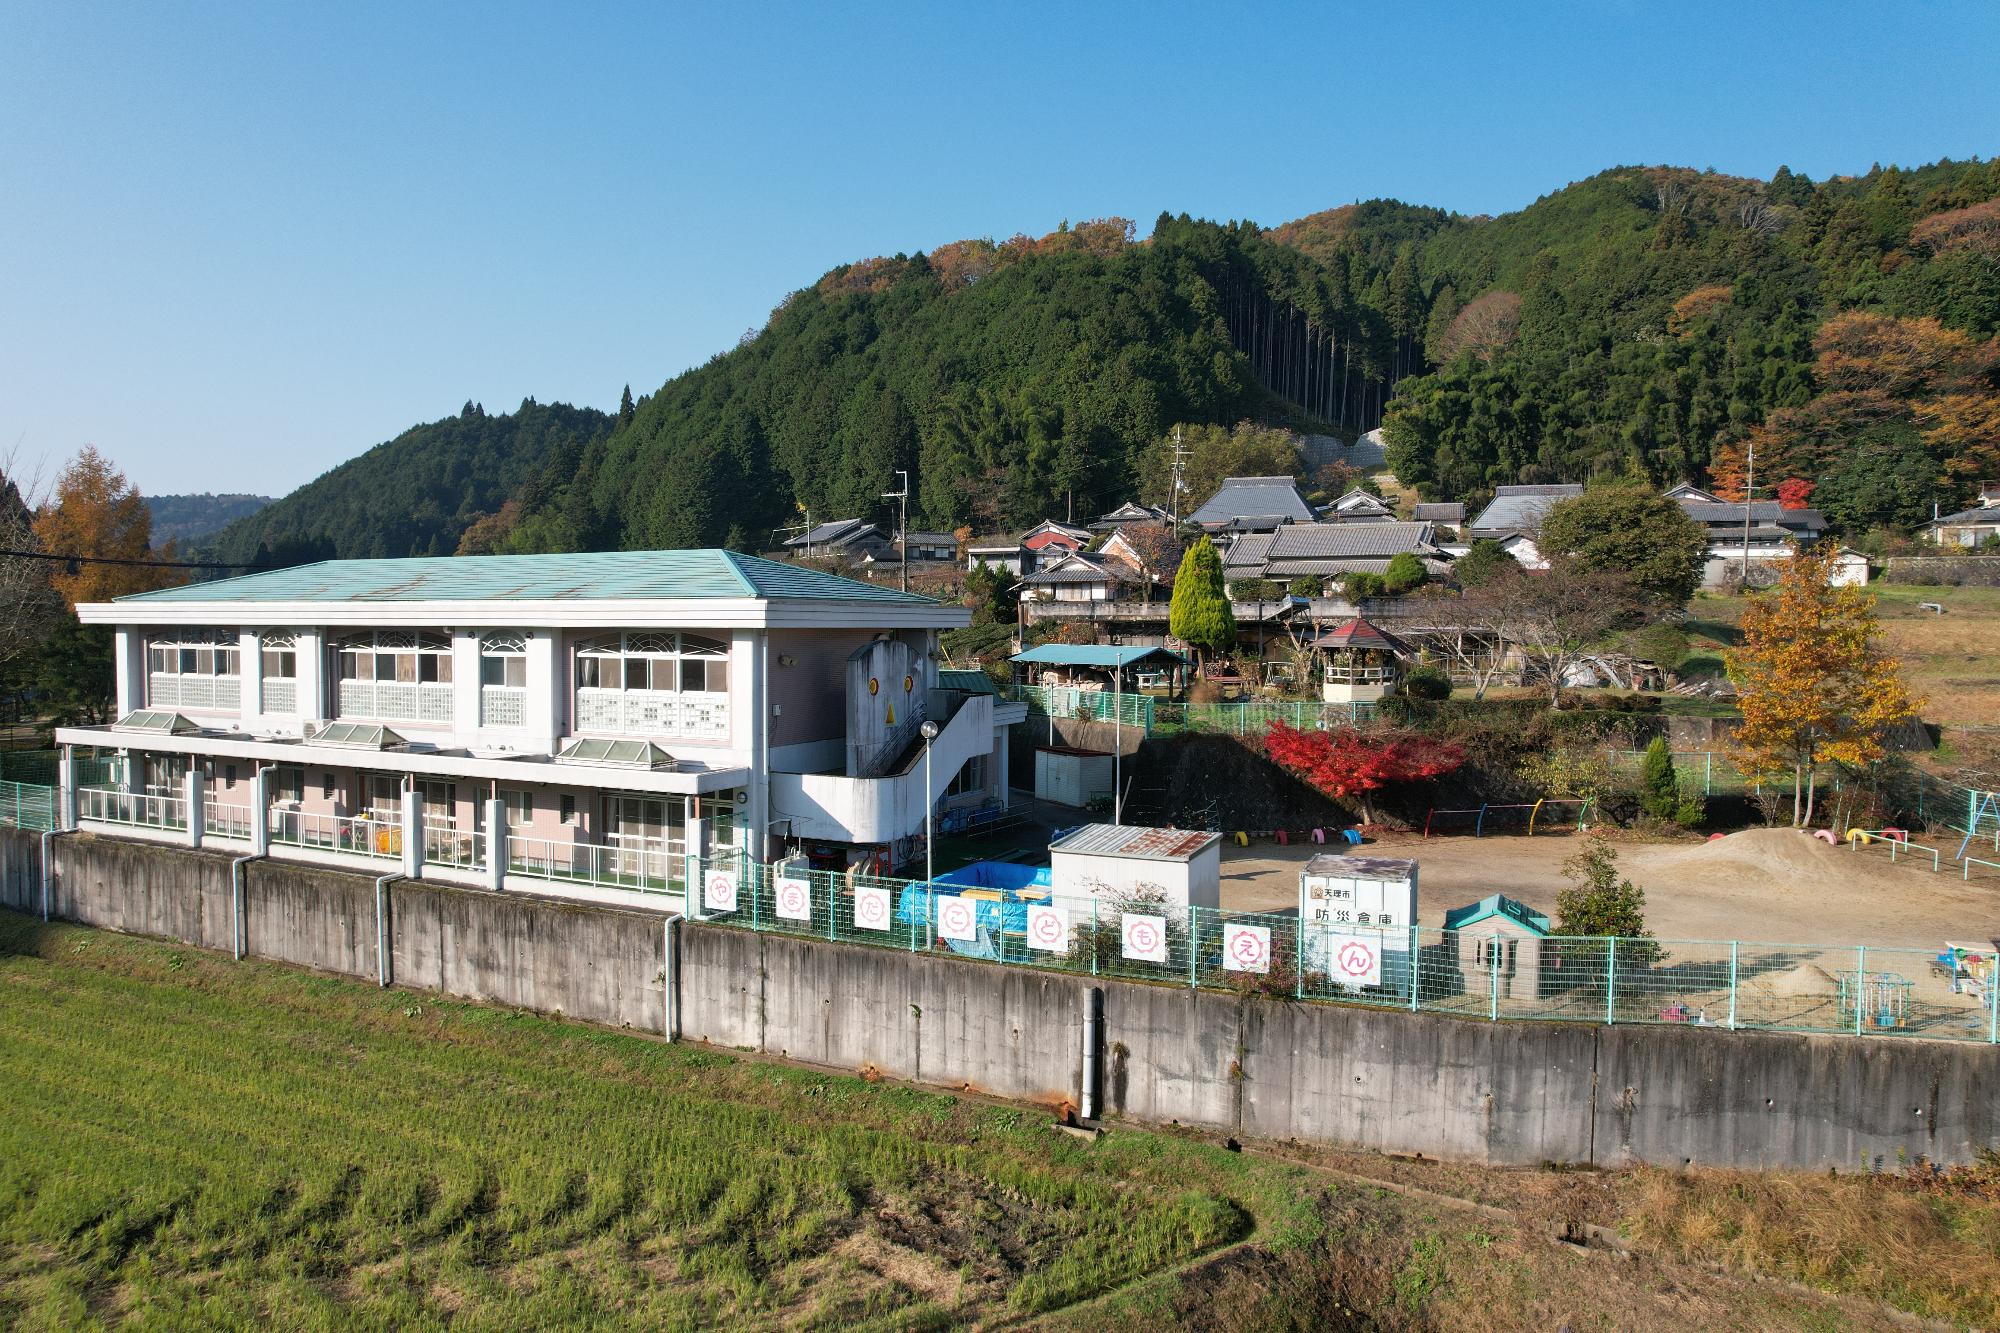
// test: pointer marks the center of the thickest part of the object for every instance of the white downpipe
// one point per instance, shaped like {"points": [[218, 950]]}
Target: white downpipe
{"points": [[239, 890], [670, 978], [48, 868], [382, 976]]}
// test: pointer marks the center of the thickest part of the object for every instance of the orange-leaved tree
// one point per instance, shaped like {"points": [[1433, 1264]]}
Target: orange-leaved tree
{"points": [[1815, 685], [95, 514]]}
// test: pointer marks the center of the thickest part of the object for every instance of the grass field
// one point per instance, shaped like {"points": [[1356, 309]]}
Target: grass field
{"points": [[191, 1143], [1952, 659]]}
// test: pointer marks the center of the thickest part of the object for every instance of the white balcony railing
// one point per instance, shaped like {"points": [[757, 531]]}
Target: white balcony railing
{"points": [[502, 706], [699, 715], [357, 835], [656, 866], [226, 821], [1359, 675], [280, 696], [445, 844], [103, 805], [218, 693], [395, 701]]}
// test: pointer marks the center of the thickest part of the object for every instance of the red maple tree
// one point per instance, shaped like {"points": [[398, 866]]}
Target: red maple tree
{"points": [[1794, 492], [1350, 765]]}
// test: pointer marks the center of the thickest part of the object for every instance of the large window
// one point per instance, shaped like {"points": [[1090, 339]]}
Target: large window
{"points": [[278, 685], [395, 676], [653, 684], [503, 680], [193, 668]]}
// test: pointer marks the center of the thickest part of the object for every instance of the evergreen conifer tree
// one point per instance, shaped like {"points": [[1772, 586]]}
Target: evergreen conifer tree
{"points": [[1200, 614], [1659, 793]]}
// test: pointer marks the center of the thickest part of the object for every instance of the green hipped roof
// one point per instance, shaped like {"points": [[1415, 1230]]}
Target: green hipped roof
{"points": [[586, 575], [1458, 918], [1095, 655], [970, 680]]}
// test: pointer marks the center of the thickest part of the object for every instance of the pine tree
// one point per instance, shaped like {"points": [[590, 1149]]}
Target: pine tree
{"points": [[1199, 615], [625, 407], [1659, 792]]}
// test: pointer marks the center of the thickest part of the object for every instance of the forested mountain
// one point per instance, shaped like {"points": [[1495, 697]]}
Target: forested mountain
{"points": [[185, 518], [415, 494], [1655, 322]]}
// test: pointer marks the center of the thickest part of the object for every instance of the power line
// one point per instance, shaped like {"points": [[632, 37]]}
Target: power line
{"points": [[112, 560]]}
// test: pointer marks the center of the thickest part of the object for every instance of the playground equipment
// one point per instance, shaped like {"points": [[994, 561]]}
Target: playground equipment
{"points": [[1876, 999], [1897, 840], [1505, 816]]}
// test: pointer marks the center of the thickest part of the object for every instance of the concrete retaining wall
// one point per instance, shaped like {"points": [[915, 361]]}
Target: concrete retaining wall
{"points": [[604, 964], [1502, 1093]]}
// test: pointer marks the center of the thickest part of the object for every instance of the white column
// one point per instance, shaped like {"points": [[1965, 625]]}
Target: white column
{"points": [[496, 844], [757, 843], [465, 685], [315, 694], [413, 834], [543, 710], [128, 656], [260, 811], [197, 805], [66, 789], [1006, 759], [697, 837], [250, 680]]}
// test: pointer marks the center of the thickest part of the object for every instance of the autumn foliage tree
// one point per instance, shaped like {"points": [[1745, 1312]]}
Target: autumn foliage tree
{"points": [[96, 513], [1815, 686], [1351, 766]]}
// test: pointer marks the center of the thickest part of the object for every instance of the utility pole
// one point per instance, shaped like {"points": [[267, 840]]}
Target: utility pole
{"points": [[1749, 496], [1180, 462], [902, 497], [801, 530]]}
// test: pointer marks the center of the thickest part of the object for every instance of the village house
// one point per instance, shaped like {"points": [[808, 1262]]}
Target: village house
{"points": [[1253, 504], [1969, 527]]}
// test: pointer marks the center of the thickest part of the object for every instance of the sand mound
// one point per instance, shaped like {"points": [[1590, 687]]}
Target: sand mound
{"points": [[1774, 853], [1805, 979]]}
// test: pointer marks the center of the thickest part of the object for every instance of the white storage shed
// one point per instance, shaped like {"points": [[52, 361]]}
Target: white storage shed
{"points": [[1070, 776], [1116, 861], [1357, 912]]}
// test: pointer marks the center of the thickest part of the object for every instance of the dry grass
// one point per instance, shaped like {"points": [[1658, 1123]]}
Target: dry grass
{"points": [[1925, 1243]]}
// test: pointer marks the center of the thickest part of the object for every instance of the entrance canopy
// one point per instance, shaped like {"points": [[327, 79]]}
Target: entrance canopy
{"points": [[1099, 656]]}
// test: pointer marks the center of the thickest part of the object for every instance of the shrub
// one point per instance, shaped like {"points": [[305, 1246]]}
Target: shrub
{"points": [[1427, 682], [1659, 793], [1304, 586], [1404, 573], [1360, 585]]}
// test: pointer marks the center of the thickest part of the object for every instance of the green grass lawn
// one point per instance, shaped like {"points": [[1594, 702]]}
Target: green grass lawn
{"points": [[190, 1142]]}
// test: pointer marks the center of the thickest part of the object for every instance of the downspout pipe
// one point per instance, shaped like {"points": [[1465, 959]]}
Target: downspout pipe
{"points": [[382, 970], [1093, 1040], [48, 867], [239, 890]]}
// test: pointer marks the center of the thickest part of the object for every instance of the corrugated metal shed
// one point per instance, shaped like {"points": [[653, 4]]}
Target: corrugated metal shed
{"points": [[1145, 844]]}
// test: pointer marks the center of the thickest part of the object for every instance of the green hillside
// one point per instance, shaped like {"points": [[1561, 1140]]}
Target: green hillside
{"points": [[415, 494], [1647, 321]]}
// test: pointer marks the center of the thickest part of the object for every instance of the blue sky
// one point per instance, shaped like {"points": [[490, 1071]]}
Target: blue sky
{"points": [[241, 244]]}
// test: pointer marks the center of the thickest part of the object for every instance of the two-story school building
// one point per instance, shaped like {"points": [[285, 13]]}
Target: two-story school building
{"points": [[621, 709]]}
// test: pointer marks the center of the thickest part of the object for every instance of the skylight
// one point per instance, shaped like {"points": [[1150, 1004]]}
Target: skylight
{"points": [[156, 721], [357, 736], [616, 754]]}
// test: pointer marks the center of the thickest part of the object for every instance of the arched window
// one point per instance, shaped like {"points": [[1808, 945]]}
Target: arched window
{"points": [[278, 653], [395, 676], [653, 683], [503, 679], [192, 668]]}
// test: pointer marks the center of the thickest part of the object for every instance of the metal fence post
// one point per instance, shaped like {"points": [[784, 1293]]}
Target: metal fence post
{"points": [[1416, 948], [1610, 980], [1299, 968], [746, 873], [1194, 937], [1094, 941], [1493, 979], [1860, 983], [1993, 1007], [832, 903], [1708, 773], [1732, 985]]}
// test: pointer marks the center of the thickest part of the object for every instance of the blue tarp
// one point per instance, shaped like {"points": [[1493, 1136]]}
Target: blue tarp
{"points": [[1008, 916]]}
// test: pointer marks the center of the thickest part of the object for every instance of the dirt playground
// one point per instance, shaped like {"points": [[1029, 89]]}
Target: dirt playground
{"points": [[1777, 885]]}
